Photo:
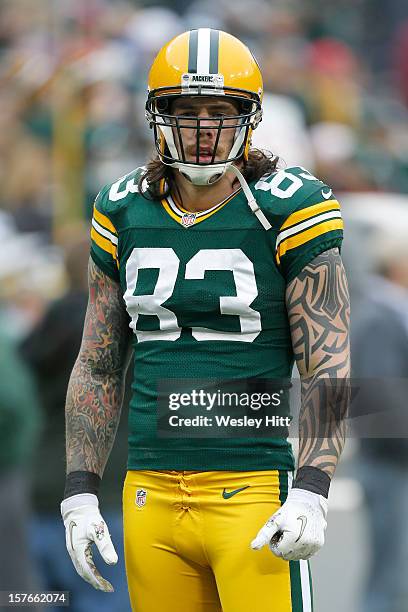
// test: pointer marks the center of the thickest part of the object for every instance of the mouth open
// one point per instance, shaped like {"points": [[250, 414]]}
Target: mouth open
{"points": [[205, 155]]}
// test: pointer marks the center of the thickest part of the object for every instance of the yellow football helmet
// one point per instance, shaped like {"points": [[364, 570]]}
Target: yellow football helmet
{"points": [[204, 62]]}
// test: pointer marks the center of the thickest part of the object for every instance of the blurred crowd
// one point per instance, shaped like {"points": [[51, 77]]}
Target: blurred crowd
{"points": [[72, 92], [73, 87]]}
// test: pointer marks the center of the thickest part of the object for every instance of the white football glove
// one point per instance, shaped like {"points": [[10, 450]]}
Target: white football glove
{"points": [[296, 530], [85, 526]]}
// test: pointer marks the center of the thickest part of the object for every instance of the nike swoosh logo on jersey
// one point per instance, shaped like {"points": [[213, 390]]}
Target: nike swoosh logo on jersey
{"points": [[228, 494], [303, 520], [71, 527], [327, 194]]}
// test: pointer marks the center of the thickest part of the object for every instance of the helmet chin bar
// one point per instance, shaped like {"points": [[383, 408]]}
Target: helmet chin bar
{"points": [[201, 175]]}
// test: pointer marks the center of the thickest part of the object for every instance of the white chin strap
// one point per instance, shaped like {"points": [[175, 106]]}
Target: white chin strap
{"points": [[252, 203]]}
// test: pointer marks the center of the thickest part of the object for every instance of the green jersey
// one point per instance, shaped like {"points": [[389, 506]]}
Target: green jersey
{"points": [[205, 294]]}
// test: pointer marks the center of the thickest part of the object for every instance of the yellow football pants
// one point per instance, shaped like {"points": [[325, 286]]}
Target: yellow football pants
{"points": [[187, 544]]}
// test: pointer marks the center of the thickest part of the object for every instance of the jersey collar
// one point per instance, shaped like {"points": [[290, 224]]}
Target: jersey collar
{"points": [[187, 218]]}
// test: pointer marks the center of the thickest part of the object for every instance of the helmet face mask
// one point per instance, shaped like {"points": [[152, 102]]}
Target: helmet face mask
{"points": [[235, 82], [237, 125]]}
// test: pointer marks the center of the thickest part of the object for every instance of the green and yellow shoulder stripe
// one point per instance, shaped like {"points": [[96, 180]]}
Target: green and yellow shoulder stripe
{"points": [[104, 243], [306, 233]]}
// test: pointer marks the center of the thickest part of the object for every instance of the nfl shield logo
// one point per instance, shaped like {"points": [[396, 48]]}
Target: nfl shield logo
{"points": [[188, 219], [141, 497]]}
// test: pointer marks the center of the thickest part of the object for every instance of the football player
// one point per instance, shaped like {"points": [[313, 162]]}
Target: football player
{"points": [[225, 268]]}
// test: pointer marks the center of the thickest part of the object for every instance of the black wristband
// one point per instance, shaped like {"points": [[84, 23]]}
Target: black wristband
{"points": [[81, 482], [312, 479]]}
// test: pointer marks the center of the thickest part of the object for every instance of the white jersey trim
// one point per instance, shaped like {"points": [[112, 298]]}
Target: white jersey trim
{"points": [[335, 214], [104, 232]]}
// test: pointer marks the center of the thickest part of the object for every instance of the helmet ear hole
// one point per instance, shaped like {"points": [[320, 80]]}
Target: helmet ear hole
{"points": [[246, 107], [162, 105]]}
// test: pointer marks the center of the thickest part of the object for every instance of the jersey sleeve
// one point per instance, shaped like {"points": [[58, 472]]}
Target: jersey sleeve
{"points": [[315, 226], [104, 241]]}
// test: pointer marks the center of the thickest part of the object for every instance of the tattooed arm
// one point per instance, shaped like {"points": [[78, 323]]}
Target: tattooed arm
{"points": [[94, 401], [96, 386], [318, 310]]}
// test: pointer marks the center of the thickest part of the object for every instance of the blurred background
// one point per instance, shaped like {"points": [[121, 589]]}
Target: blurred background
{"points": [[72, 93]]}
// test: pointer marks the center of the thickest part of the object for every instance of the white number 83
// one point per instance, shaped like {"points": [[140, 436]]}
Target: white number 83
{"points": [[167, 262]]}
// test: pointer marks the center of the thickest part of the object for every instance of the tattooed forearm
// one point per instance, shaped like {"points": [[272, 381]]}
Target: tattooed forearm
{"points": [[319, 312], [96, 386]]}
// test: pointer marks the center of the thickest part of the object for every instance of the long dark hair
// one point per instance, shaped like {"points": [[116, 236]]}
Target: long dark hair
{"points": [[258, 164]]}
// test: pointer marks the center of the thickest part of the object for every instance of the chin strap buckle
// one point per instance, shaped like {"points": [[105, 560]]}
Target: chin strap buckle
{"points": [[262, 219], [253, 205]]}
